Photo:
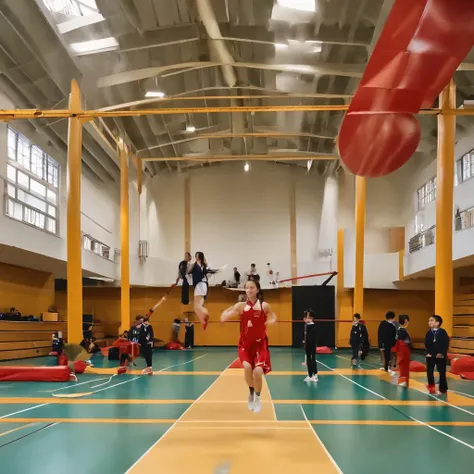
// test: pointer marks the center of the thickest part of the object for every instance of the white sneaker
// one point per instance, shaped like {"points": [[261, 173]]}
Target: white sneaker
{"points": [[147, 370], [382, 369], [251, 402], [403, 384], [257, 404], [391, 373], [307, 379], [314, 378]]}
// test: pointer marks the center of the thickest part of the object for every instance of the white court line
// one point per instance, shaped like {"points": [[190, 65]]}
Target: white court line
{"points": [[320, 442], [462, 393], [174, 424], [271, 401], [26, 409], [408, 416], [146, 375], [143, 375], [432, 396], [77, 384]]}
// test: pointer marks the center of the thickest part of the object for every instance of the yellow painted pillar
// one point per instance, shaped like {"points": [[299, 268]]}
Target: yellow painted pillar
{"points": [[73, 239], [444, 208], [359, 245], [124, 242]]}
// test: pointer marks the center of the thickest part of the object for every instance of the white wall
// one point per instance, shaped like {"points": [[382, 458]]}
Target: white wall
{"points": [[237, 218], [99, 209]]}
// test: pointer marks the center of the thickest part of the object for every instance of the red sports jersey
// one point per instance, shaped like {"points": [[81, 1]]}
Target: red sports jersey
{"points": [[252, 324]]}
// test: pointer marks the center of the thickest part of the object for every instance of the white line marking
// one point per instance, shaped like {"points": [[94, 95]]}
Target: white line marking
{"points": [[320, 442], [462, 393], [25, 409], [429, 394], [407, 416], [174, 424], [444, 401], [271, 401], [77, 384], [144, 375]]}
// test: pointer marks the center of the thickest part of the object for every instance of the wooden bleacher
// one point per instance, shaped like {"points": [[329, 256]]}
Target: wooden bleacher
{"points": [[462, 341], [26, 339], [23, 339]]}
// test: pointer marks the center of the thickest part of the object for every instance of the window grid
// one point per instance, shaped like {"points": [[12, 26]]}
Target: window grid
{"points": [[427, 193], [31, 193], [465, 167], [32, 158], [96, 247]]}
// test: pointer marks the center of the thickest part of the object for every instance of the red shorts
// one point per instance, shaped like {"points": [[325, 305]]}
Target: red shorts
{"points": [[257, 355]]}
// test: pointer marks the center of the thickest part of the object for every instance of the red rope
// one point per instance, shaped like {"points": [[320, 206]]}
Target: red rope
{"points": [[308, 276]]}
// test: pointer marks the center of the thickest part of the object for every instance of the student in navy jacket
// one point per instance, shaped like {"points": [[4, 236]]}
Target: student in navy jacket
{"points": [[437, 344]]}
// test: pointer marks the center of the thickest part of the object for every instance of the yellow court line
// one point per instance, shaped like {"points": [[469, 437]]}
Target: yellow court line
{"points": [[18, 428], [231, 424], [461, 401]]}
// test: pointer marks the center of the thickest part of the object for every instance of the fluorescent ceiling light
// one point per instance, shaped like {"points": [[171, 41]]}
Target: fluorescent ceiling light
{"points": [[281, 46], [317, 49], [95, 46], [190, 128], [309, 164], [158, 94], [301, 68], [302, 5], [246, 167], [101, 279]]}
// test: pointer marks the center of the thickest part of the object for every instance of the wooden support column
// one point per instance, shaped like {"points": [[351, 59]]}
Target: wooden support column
{"points": [[187, 215], [359, 245], [73, 238], [444, 207], [292, 202], [124, 241]]}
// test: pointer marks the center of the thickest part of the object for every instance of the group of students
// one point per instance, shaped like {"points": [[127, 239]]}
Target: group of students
{"points": [[395, 347]]}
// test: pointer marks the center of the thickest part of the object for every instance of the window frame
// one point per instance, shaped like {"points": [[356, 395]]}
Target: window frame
{"points": [[465, 163], [51, 212], [426, 193]]}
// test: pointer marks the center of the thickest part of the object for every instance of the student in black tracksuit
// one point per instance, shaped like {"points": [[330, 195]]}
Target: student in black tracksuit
{"points": [[146, 339], [359, 339], [437, 344], [387, 338], [310, 345]]}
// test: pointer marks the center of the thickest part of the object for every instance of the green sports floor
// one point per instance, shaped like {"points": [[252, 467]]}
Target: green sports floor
{"points": [[361, 421]]}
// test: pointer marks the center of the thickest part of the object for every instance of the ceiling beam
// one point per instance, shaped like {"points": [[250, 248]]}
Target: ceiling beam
{"points": [[220, 158], [348, 70]]}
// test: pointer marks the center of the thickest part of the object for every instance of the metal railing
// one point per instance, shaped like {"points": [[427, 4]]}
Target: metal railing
{"points": [[422, 239], [464, 219], [97, 247]]}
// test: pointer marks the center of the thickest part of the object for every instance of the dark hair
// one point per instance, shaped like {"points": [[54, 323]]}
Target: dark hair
{"points": [[309, 313], [403, 318], [187, 254], [252, 264], [259, 289], [389, 315], [202, 258], [439, 319], [177, 321], [357, 316], [138, 317]]}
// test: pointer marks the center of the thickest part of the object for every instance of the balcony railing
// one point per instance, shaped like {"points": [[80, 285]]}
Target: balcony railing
{"points": [[97, 247], [422, 239], [464, 219]]}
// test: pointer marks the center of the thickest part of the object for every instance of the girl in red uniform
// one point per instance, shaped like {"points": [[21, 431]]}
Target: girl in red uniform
{"points": [[253, 343]]}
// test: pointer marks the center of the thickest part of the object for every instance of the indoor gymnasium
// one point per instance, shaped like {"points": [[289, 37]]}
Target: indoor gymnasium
{"points": [[237, 236]]}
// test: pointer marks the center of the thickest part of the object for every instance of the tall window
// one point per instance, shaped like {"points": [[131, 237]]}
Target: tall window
{"points": [[33, 184], [465, 167], [427, 193]]}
